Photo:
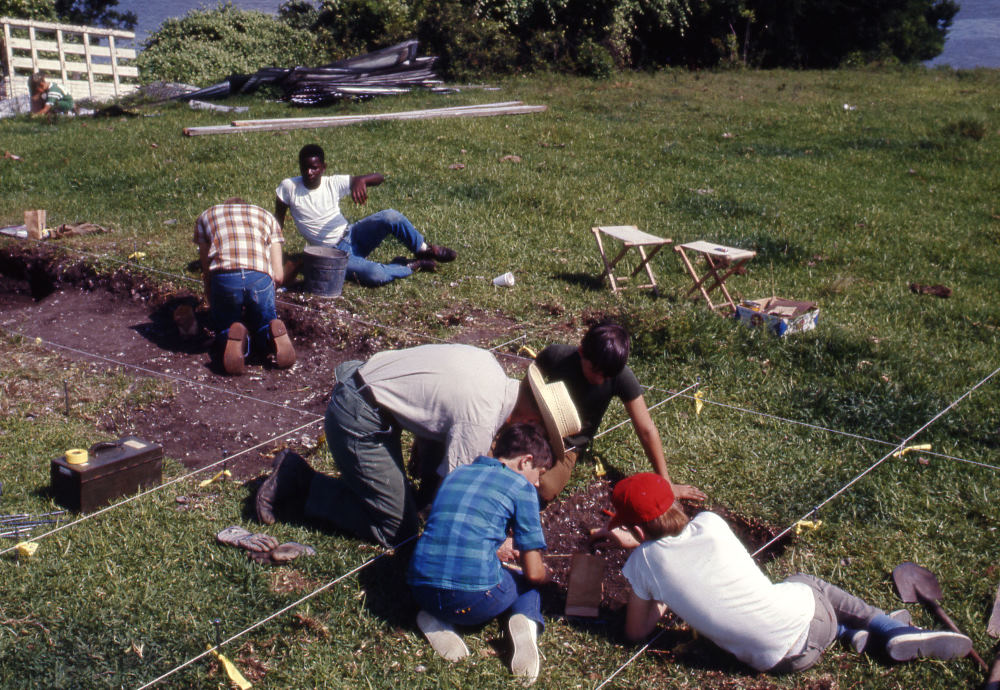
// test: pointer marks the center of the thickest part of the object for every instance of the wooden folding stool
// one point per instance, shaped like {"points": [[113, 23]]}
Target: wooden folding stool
{"points": [[717, 257], [631, 237]]}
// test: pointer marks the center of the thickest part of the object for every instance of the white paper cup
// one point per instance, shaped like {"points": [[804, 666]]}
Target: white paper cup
{"points": [[506, 280]]}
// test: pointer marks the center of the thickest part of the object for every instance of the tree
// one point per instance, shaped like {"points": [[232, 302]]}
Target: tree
{"points": [[95, 13]]}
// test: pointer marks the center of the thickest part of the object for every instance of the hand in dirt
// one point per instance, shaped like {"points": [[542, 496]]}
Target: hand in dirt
{"points": [[688, 493], [507, 553], [618, 536]]}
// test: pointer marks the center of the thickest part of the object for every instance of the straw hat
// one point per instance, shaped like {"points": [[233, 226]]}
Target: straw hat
{"points": [[558, 411]]}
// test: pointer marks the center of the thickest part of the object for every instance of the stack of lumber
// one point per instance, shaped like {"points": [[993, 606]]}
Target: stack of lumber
{"points": [[285, 123]]}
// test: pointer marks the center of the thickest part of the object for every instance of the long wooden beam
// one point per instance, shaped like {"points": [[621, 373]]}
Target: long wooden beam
{"points": [[376, 116], [311, 123]]}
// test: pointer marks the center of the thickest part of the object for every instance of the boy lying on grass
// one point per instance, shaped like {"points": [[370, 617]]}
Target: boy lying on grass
{"points": [[595, 372], [455, 574], [700, 569]]}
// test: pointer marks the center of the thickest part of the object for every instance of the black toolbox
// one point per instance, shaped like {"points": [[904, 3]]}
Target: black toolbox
{"points": [[115, 469]]}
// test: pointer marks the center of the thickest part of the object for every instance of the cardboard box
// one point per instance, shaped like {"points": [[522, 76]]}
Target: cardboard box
{"points": [[779, 316], [112, 470]]}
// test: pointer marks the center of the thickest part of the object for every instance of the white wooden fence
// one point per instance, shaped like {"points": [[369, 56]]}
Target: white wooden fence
{"points": [[84, 60]]}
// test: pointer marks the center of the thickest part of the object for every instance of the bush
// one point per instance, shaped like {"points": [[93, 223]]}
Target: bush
{"points": [[594, 60], [468, 47], [206, 46], [345, 28]]}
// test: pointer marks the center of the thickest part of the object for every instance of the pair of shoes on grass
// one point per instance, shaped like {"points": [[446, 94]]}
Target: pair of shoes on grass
{"points": [[523, 632], [263, 548], [238, 347]]}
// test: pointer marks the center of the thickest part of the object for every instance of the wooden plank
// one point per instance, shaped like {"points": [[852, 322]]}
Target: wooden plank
{"points": [[114, 63], [73, 67], [62, 55], [10, 66], [228, 129], [31, 47], [90, 66], [71, 48], [245, 123]]}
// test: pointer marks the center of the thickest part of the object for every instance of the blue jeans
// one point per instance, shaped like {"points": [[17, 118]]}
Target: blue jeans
{"points": [[363, 237], [457, 607], [371, 498], [239, 291]]}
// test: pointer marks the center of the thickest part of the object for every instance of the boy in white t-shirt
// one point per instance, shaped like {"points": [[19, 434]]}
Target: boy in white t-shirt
{"points": [[314, 201], [700, 569]]}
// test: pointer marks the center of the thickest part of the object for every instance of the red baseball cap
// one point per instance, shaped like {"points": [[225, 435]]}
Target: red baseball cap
{"points": [[640, 498]]}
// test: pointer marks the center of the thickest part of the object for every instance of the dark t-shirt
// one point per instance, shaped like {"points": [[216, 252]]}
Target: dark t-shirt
{"points": [[562, 363]]}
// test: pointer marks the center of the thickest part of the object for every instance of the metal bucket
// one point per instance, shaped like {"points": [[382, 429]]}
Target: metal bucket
{"points": [[325, 268]]}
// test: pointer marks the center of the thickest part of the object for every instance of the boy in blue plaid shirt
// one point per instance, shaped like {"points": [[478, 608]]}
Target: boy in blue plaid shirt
{"points": [[455, 574]]}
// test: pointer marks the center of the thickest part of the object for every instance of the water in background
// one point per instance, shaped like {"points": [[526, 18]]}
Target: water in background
{"points": [[973, 41], [974, 37], [152, 13]]}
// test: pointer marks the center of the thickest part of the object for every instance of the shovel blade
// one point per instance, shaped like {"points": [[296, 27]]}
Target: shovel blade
{"points": [[993, 628], [916, 583]]}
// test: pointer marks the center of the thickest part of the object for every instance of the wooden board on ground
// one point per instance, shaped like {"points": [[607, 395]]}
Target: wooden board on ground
{"points": [[586, 582]]}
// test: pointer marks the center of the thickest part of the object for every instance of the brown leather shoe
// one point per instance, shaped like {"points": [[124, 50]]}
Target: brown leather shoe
{"points": [[284, 353], [438, 253], [289, 480], [234, 356], [425, 265]]}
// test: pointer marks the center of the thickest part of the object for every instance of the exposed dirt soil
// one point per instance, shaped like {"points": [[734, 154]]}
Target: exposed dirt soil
{"points": [[125, 319]]}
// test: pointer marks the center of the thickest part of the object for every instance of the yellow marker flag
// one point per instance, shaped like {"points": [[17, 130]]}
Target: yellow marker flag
{"points": [[525, 350], [904, 451], [137, 256], [234, 673], [26, 549], [599, 468], [698, 404], [803, 525], [219, 475]]}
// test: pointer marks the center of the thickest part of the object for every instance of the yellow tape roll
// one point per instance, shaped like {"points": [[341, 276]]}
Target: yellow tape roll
{"points": [[76, 456]]}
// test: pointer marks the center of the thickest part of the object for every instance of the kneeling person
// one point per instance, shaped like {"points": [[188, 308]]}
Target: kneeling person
{"points": [[239, 247], [455, 574], [700, 569]]}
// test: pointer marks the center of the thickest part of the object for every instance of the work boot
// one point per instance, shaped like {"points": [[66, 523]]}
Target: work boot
{"points": [[284, 353], [235, 352], [289, 479], [426, 265], [907, 643], [524, 661], [438, 253], [443, 638]]}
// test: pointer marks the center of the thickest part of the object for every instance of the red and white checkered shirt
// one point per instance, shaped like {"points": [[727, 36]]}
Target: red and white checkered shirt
{"points": [[239, 236]]}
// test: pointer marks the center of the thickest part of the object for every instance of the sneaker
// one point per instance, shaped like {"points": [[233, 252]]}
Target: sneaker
{"points": [[905, 644], [858, 641], [443, 638], [426, 265], [290, 478], [284, 353], [901, 615], [524, 661], [438, 253], [234, 356]]}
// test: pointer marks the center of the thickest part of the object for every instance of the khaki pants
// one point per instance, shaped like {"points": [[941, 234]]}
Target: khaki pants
{"points": [[557, 477]]}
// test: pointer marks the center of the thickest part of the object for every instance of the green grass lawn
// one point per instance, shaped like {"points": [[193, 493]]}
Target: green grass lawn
{"points": [[850, 185]]}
